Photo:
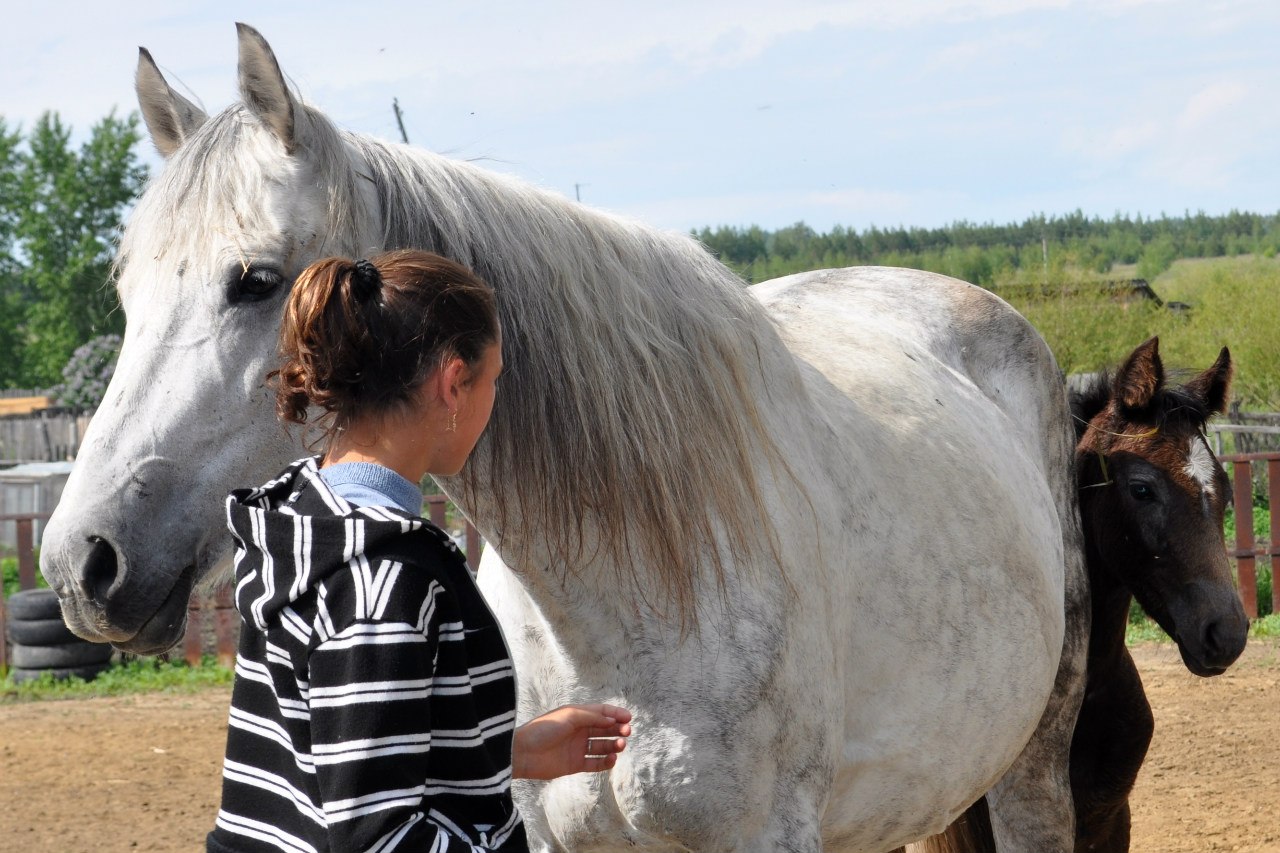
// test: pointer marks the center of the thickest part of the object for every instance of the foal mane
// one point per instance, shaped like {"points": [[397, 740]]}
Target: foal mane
{"points": [[1172, 407], [627, 413]]}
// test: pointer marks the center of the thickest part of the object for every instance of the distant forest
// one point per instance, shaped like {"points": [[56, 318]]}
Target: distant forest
{"points": [[1040, 249]]}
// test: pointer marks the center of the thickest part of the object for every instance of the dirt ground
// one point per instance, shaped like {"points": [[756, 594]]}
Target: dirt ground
{"points": [[141, 772]]}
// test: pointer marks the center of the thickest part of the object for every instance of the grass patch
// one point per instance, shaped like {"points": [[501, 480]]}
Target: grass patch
{"points": [[1145, 630], [1228, 296], [1267, 626], [9, 575], [140, 675]]}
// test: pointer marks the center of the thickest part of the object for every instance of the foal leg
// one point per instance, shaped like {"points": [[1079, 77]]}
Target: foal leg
{"points": [[1110, 743]]}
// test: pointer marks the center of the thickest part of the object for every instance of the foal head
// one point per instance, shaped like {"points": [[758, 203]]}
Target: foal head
{"points": [[1152, 498]]}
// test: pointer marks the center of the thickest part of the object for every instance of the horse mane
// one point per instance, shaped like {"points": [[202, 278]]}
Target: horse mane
{"points": [[633, 364], [627, 415], [1173, 406]]}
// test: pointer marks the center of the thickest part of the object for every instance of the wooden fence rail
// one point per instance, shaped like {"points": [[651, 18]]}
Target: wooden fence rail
{"points": [[213, 622], [26, 570], [1247, 551]]}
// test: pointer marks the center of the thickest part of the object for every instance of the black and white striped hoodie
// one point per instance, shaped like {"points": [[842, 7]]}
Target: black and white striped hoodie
{"points": [[374, 700]]}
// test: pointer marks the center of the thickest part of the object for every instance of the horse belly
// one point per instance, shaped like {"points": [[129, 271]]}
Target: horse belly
{"points": [[953, 643], [949, 563]]}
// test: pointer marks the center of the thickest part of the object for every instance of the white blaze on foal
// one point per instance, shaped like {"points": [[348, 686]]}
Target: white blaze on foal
{"points": [[1200, 464]]}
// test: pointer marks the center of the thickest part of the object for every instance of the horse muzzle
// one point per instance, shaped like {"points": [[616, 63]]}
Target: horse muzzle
{"points": [[138, 608], [1211, 628]]}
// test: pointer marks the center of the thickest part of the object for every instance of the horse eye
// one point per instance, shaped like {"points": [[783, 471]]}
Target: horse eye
{"points": [[253, 285], [1141, 491]]}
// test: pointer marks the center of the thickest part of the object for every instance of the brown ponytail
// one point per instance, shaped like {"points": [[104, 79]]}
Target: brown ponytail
{"points": [[359, 337]]}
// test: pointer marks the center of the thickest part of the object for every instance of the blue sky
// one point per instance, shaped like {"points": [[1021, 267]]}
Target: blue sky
{"points": [[738, 112]]}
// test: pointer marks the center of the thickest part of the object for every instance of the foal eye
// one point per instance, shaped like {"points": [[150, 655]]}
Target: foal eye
{"points": [[1141, 491], [253, 285]]}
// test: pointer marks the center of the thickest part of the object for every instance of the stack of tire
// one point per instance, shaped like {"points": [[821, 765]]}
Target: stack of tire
{"points": [[39, 641]]}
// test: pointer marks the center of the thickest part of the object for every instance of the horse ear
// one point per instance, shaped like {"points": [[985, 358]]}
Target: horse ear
{"points": [[262, 85], [1214, 385], [170, 117], [1140, 377]]}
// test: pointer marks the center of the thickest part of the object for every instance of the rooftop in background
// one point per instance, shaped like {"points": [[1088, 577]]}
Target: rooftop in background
{"points": [[22, 405], [36, 470]]}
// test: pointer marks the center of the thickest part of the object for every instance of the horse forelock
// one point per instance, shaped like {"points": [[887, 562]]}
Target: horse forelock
{"points": [[207, 197], [1173, 409], [1168, 432]]}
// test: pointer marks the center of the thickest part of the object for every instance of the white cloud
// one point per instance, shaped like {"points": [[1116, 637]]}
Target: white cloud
{"points": [[1209, 104], [992, 100]]}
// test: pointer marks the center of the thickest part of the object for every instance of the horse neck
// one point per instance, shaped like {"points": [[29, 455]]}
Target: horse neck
{"points": [[635, 362], [1109, 596]]}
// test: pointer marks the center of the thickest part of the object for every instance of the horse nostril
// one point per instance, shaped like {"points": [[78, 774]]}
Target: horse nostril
{"points": [[1220, 641], [100, 571]]}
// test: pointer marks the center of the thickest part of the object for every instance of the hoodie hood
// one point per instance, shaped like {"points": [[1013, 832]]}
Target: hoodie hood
{"points": [[294, 532]]}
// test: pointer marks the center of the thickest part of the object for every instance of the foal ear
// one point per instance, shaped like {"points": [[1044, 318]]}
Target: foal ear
{"points": [[1140, 377], [1214, 385], [170, 117], [262, 86]]}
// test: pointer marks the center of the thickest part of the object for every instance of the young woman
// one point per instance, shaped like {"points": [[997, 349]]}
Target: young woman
{"points": [[374, 702]]}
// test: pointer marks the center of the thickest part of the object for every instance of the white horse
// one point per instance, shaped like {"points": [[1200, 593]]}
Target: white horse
{"points": [[818, 535]]}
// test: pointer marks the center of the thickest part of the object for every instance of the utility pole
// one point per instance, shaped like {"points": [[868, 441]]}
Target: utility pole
{"points": [[395, 105], [577, 191]]}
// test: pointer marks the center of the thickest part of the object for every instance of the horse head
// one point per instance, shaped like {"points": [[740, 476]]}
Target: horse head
{"points": [[242, 205], [1152, 498]]}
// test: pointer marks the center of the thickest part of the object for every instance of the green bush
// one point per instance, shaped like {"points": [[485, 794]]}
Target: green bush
{"points": [[9, 572], [87, 373]]}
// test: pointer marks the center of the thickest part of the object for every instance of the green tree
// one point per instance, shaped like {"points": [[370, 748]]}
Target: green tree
{"points": [[12, 301], [1157, 257], [64, 209]]}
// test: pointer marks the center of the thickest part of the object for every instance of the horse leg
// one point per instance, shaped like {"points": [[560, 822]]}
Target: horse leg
{"points": [[969, 833], [1108, 748]]}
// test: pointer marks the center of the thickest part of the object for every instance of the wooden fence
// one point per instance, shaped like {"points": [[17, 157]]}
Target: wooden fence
{"points": [[212, 622], [51, 435], [1247, 551], [213, 626]]}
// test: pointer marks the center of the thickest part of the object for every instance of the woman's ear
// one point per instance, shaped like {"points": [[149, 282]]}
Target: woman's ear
{"points": [[452, 379]]}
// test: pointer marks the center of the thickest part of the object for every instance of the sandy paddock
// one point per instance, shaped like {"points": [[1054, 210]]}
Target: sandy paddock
{"points": [[141, 772]]}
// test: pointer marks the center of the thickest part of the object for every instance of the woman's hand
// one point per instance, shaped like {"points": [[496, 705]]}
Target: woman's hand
{"points": [[572, 739]]}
